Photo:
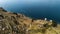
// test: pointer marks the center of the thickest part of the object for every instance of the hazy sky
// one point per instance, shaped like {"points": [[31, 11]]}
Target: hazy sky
{"points": [[44, 2], [28, 1], [1, 1]]}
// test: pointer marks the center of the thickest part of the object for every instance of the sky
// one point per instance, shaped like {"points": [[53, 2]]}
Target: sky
{"points": [[5, 2], [1, 1], [23, 3], [27, 1]]}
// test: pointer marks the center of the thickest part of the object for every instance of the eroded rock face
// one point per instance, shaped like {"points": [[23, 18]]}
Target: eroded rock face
{"points": [[14, 23]]}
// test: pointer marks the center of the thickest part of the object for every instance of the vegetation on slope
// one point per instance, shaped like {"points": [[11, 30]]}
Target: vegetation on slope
{"points": [[13, 23]]}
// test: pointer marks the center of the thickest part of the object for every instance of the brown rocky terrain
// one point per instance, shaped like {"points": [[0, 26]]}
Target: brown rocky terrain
{"points": [[15, 23]]}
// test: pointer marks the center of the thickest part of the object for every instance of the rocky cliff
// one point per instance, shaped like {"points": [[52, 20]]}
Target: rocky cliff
{"points": [[14, 23]]}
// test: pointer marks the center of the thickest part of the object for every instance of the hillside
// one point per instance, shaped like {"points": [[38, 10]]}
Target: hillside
{"points": [[15, 23]]}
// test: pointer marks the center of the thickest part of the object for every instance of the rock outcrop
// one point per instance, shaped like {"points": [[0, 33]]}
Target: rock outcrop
{"points": [[14, 23]]}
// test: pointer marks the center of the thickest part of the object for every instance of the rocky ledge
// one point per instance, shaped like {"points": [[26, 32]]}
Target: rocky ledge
{"points": [[15, 23]]}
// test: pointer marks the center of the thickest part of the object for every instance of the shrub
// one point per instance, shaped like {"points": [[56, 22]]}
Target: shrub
{"points": [[54, 24]]}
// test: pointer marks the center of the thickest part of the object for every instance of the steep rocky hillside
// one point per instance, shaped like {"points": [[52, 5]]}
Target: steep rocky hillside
{"points": [[14, 23]]}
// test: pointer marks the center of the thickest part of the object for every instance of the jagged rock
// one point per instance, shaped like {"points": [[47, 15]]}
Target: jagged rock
{"points": [[1, 9]]}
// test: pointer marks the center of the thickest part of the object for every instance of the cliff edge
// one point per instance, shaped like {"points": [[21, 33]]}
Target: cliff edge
{"points": [[15, 23]]}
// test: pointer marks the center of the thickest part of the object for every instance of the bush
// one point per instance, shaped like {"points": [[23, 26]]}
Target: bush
{"points": [[54, 24]]}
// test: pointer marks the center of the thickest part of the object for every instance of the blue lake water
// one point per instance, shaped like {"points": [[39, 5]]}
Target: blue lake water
{"points": [[50, 9]]}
